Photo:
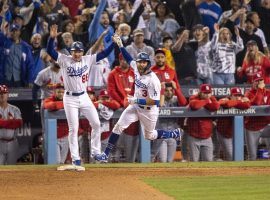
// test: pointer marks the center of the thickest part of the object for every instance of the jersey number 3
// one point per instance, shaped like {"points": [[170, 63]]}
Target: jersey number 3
{"points": [[144, 93], [85, 78]]}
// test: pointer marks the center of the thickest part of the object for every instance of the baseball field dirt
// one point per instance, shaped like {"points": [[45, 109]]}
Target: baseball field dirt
{"points": [[45, 183]]}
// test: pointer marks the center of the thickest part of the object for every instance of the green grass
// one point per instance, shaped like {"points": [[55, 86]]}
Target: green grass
{"points": [[252, 187], [156, 165]]}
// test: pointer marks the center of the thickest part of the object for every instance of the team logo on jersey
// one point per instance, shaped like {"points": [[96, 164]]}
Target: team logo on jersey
{"points": [[130, 79], [140, 84], [79, 72]]}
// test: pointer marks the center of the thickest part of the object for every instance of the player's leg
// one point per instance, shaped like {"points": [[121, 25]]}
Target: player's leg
{"points": [[72, 111], [194, 148], [148, 119], [252, 140], [2, 152], [88, 110], [64, 149], [171, 149], [127, 117], [162, 154], [227, 146], [131, 145], [12, 152], [58, 156], [207, 149]]}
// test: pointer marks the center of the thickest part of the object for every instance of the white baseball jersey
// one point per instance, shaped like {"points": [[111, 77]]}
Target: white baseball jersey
{"points": [[76, 74], [99, 72], [11, 112], [46, 79], [147, 85]]}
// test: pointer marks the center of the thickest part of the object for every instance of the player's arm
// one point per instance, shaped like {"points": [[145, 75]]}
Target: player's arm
{"points": [[145, 102], [124, 52], [15, 121], [50, 46], [103, 54]]}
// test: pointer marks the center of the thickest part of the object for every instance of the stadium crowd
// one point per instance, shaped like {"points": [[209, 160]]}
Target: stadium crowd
{"points": [[190, 42]]}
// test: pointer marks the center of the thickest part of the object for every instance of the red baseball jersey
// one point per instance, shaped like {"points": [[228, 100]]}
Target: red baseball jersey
{"points": [[201, 127], [225, 124], [167, 75], [250, 69], [257, 97]]}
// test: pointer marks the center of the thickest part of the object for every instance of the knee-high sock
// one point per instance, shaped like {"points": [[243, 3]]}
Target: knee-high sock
{"points": [[162, 134], [111, 143]]}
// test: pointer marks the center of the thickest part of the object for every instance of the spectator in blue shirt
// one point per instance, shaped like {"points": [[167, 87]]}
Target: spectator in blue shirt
{"points": [[210, 12], [99, 24], [17, 63]]}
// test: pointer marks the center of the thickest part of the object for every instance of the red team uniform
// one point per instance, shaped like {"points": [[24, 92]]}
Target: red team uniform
{"points": [[167, 75], [250, 69]]}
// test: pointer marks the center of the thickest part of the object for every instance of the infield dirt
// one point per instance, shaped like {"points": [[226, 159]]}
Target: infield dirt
{"points": [[98, 183]]}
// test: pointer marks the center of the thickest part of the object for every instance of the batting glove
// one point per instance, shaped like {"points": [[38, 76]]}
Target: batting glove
{"points": [[132, 100], [118, 40]]}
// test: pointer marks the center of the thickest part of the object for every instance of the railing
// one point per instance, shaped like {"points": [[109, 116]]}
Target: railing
{"points": [[17, 94], [172, 112]]}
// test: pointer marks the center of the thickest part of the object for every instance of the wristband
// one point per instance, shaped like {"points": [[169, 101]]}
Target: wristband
{"points": [[141, 101], [157, 102]]}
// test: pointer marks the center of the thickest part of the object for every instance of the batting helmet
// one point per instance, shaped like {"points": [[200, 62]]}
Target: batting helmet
{"points": [[144, 56], [77, 46]]}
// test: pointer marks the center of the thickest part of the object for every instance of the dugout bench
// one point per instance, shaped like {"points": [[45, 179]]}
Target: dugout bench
{"points": [[50, 139]]}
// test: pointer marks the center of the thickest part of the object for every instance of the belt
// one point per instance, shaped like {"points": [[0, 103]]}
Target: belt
{"points": [[145, 107], [7, 140], [75, 93]]}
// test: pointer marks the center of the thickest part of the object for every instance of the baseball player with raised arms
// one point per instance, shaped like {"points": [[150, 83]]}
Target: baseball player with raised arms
{"points": [[143, 105], [75, 73]]}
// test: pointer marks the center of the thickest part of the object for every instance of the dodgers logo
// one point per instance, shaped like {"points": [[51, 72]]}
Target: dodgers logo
{"points": [[140, 84], [79, 72]]}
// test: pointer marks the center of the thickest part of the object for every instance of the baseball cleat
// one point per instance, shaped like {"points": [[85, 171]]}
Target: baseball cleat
{"points": [[102, 158]]}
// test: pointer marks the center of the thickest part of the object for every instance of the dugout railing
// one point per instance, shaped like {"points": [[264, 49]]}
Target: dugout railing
{"points": [[50, 138]]}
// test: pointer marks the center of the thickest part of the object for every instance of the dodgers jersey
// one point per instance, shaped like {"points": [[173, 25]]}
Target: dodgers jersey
{"points": [[76, 74], [147, 85]]}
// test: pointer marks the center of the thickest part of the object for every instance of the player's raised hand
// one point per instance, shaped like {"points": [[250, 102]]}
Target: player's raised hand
{"points": [[53, 31], [116, 38]]}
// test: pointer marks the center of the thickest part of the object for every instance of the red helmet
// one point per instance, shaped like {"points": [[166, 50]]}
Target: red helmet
{"points": [[3, 89]]}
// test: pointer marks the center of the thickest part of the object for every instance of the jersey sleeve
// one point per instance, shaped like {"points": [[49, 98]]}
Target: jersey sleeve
{"points": [[17, 113], [133, 65], [39, 79], [62, 58]]}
